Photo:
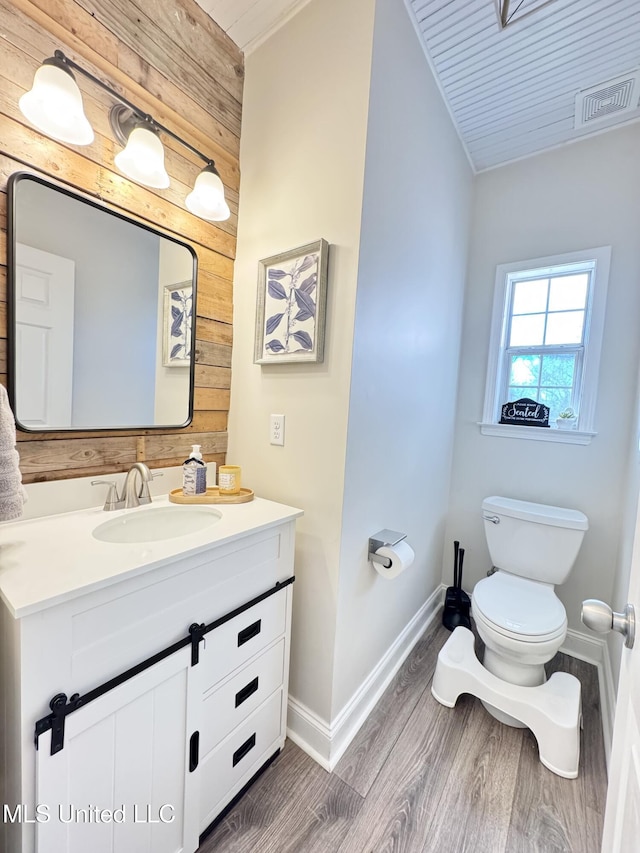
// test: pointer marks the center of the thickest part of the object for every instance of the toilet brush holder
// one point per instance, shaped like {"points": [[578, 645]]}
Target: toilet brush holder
{"points": [[457, 604]]}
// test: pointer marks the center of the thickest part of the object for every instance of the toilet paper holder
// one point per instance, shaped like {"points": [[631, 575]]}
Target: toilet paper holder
{"points": [[381, 539]]}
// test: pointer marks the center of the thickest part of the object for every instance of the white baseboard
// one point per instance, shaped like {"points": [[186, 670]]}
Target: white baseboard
{"points": [[326, 742], [310, 732], [596, 651]]}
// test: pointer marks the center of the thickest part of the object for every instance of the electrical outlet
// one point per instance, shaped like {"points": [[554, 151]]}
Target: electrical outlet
{"points": [[276, 434]]}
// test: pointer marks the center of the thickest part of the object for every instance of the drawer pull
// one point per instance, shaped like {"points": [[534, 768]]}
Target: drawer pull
{"points": [[246, 747], [194, 750], [249, 632], [249, 690]]}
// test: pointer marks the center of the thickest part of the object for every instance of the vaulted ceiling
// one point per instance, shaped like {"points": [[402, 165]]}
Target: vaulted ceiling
{"points": [[560, 70]]}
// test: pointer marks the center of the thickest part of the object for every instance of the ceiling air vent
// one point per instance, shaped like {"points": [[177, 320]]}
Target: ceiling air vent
{"points": [[617, 96]]}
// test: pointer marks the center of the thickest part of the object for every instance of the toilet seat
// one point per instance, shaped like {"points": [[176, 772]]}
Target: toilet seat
{"points": [[519, 608], [518, 640]]}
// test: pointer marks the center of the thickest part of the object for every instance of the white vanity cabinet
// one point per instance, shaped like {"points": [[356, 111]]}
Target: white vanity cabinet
{"points": [[164, 750]]}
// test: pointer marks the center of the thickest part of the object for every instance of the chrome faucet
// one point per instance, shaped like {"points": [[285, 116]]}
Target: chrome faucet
{"points": [[131, 494]]}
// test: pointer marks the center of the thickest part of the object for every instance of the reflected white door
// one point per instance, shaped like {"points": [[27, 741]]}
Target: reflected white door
{"points": [[44, 297], [622, 815]]}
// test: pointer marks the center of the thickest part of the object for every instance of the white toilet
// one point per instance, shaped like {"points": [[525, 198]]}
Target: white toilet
{"points": [[517, 613]]}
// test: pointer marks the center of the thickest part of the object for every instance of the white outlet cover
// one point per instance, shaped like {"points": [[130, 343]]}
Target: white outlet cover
{"points": [[276, 430]]}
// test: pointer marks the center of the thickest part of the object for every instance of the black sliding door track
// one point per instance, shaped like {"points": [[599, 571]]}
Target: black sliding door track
{"points": [[61, 706]]}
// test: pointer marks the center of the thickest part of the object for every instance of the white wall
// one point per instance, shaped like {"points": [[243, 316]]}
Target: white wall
{"points": [[416, 211], [306, 106], [577, 197], [302, 160]]}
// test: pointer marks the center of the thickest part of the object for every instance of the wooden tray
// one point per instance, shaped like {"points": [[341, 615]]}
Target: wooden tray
{"points": [[212, 496]]}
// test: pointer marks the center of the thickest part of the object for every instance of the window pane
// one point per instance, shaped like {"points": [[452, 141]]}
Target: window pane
{"points": [[547, 345], [527, 330], [517, 393], [557, 399], [525, 370], [569, 291], [558, 370], [564, 328], [530, 297]]}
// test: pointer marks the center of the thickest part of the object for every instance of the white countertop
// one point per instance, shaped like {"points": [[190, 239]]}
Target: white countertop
{"points": [[48, 560]]}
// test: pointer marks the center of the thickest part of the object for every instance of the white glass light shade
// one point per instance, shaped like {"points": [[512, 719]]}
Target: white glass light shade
{"points": [[54, 106], [143, 159], [206, 200]]}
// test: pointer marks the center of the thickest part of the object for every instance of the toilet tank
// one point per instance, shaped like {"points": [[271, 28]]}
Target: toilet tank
{"points": [[533, 540]]}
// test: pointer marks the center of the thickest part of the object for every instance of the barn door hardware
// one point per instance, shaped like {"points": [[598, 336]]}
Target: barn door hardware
{"points": [[61, 707]]}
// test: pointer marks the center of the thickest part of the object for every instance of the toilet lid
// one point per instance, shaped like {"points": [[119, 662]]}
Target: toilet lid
{"points": [[519, 605]]}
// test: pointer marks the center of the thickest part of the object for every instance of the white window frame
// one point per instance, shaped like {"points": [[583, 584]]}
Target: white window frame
{"points": [[593, 332]]}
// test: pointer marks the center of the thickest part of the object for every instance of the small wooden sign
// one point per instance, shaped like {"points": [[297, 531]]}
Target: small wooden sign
{"points": [[525, 412]]}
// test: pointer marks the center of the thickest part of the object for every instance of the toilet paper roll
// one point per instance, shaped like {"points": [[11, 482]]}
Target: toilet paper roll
{"points": [[401, 556]]}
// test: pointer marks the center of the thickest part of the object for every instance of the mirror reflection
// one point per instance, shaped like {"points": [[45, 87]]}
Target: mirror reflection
{"points": [[101, 322]]}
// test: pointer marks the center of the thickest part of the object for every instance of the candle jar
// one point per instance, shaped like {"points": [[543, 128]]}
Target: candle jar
{"points": [[229, 479]]}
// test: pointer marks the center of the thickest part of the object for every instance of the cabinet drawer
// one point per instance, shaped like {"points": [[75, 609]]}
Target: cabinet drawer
{"points": [[225, 708], [115, 628], [230, 766], [235, 642]]}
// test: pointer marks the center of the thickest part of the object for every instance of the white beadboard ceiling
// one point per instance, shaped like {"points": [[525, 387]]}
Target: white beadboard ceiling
{"points": [[511, 92], [250, 22]]}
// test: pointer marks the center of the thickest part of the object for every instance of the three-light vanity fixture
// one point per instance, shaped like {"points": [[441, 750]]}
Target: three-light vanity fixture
{"points": [[54, 106]]}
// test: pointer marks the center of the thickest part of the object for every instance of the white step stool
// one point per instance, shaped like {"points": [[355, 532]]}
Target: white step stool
{"points": [[552, 711]]}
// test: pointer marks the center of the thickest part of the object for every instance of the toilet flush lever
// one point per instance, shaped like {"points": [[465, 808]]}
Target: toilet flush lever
{"points": [[494, 519], [600, 617]]}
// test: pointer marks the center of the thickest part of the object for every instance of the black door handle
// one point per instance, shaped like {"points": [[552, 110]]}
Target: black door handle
{"points": [[248, 690], [249, 632], [194, 751], [246, 747]]}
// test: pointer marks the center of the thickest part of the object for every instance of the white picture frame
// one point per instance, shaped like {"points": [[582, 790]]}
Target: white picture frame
{"points": [[291, 306], [177, 318]]}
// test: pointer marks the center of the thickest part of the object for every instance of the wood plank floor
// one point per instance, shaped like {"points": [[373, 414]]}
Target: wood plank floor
{"points": [[422, 778]]}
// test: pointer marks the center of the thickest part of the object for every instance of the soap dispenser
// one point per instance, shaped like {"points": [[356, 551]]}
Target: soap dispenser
{"points": [[194, 473]]}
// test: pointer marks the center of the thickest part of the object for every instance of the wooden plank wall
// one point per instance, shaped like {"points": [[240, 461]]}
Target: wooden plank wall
{"points": [[171, 60]]}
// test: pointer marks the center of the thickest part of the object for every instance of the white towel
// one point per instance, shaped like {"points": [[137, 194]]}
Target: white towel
{"points": [[11, 491]]}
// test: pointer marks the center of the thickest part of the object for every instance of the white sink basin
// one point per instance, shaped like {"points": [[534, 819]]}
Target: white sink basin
{"points": [[152, 525]]}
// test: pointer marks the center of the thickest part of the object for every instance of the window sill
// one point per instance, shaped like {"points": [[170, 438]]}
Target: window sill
{"points": [[561, 436]]}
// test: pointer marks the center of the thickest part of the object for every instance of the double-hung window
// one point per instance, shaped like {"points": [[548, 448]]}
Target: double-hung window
{"points": [[546, 339]]}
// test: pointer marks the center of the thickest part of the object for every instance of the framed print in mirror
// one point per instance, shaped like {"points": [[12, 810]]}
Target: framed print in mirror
{"points": [[291, 307], [177, 319]]}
